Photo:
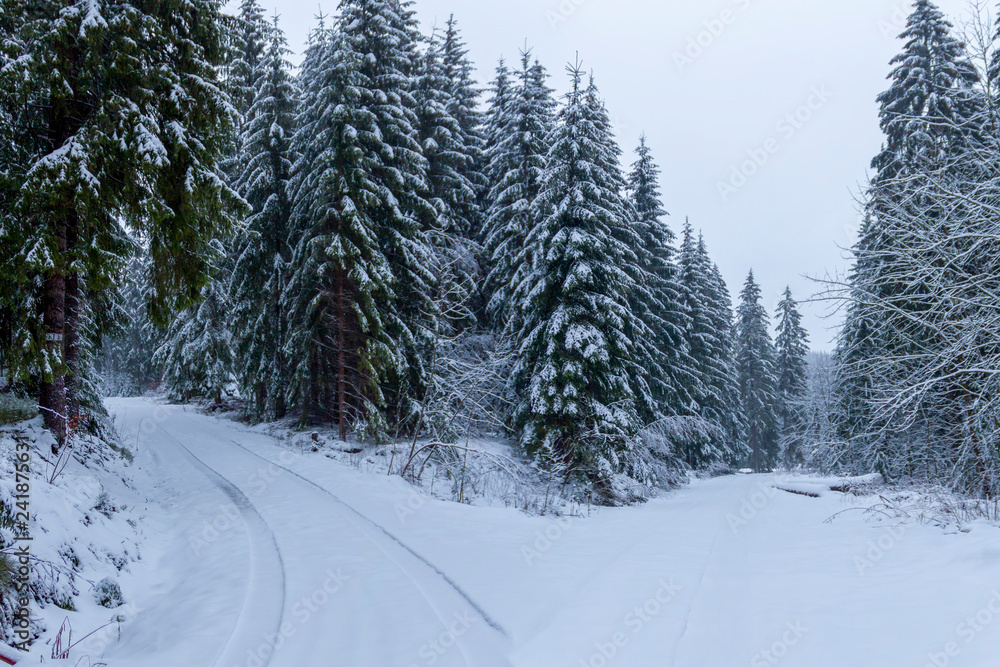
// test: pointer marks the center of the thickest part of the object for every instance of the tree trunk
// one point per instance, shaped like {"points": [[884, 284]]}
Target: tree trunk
{"points": [[52, 400], [71, 329], [279, 360], [341, 360], [313, 383]]}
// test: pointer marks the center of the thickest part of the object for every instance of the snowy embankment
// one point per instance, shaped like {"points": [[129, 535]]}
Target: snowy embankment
{"points": [[270, 555], [85, 538]]}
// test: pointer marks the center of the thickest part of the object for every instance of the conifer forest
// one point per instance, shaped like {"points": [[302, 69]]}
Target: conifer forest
{"points": [[464, 276]]}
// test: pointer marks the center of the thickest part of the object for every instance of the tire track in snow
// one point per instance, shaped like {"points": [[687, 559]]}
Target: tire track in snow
{"points": [[713, 550], [448, 580], [264, 555]]}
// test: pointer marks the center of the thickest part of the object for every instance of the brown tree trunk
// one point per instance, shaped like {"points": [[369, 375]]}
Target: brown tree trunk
{"points": [[71, 329], [341, 360], [52, 400], [279, 362], [313, 383]]}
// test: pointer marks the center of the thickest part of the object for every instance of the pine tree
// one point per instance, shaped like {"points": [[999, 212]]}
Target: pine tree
{"points": [[197, 353], [119, 124], [755, 358], [250, 47], [713, 385], [263, 253], [495, 122], [361, 288], [127, 361], [930, 116], [576, 365], [442, 141], [929, 104], [791, 371], [658, 298], [517, 164], [463, 106]]}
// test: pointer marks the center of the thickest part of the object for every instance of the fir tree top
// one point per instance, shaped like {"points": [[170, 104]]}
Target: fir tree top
{"points": [[928, 103]]}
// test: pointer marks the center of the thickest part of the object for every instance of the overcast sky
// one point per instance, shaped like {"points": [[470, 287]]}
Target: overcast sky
{"points": [[712, 84]]}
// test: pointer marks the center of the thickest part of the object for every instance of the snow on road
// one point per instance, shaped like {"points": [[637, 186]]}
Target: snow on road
{"points": [[272, 557]]}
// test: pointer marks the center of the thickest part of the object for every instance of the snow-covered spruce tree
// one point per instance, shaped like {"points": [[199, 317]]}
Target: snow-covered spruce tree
{"points": [[262, 251], [197, 353], [340, 284], [930, 115], [16, 294], [463, 107], [453, 197], [575, 362], [930, 104], [443, 145], [501, 91], [386, 34], [791, 371], [360, 291], [118, 124], [755, 360], [713, 385], [250, 45], [657, 298], [734, 422], [246, 46], [126, 364], [517, 161]]}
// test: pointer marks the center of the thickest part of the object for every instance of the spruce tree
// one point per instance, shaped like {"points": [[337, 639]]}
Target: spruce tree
{"points": [[733, 419], [755, 358], [517, 163], [119, 124], [263, 253], [385, 35], [449, 162], [246, 48], [197, 353], [931, 116], [463, 106], [791, 371], [576, 364], [928, 106], [361, 286], [495, 123], [658, 299], [250, 46], [712, 386]]}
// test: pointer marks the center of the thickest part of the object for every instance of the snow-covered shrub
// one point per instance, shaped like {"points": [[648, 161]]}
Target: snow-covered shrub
{"points": [[6, 573], [104, 505], [14, 409], [80, 533], [108, 593]]}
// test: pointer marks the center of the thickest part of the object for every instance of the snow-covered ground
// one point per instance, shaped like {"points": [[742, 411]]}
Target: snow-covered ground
{"points": [[261, 555]]}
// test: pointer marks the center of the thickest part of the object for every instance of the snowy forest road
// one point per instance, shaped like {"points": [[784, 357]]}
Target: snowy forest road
{"points": [[265, 555], [319, 584]]}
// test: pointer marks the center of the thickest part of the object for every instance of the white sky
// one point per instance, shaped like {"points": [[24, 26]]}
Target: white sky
{"points": [[792, 218]]}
